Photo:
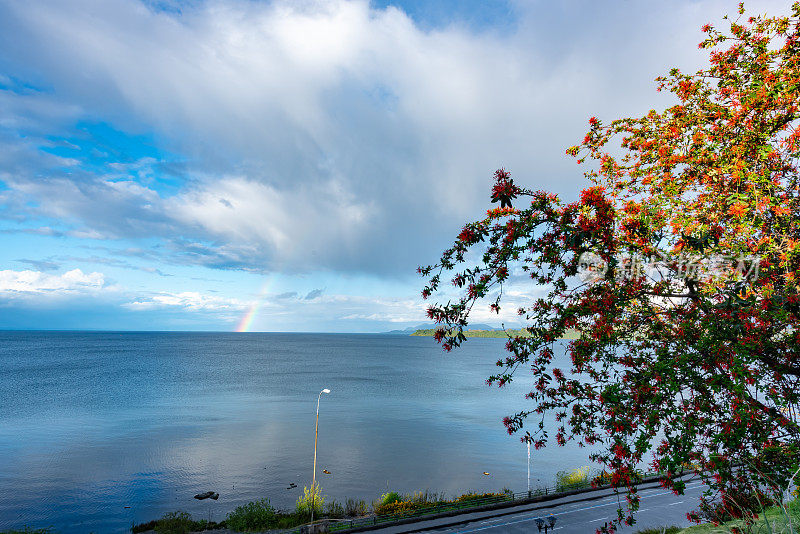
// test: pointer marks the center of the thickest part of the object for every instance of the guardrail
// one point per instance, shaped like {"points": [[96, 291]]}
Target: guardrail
{"points": [[435, 508]]}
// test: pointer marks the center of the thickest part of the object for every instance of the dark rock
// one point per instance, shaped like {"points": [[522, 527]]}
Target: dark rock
{"points": [[207, 495]]}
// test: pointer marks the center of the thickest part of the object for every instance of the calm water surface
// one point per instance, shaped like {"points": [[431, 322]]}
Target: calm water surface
{"points": [[99, 430]]}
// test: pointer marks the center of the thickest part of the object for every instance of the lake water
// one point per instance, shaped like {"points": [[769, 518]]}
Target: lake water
{"points": [[101, 430]]}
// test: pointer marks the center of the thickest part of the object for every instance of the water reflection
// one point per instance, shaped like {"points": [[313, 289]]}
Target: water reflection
{"points": [[98, 422]]}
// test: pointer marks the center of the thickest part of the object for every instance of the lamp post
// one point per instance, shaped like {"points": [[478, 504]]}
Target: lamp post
{"points": [[314, 474], [529, 469]]}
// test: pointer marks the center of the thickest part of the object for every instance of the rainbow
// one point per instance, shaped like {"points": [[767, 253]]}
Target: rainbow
{"points": [[247, 319]]}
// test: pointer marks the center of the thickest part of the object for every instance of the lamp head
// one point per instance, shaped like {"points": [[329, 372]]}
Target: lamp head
{"points": [[326, 390]]}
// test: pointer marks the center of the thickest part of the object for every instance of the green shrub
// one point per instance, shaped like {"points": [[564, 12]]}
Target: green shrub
{"points": [[426, 496], [174, 523], [354, 508], [203, 524], [290, 520], [577, 478], [391, 503], [311, 497], [660, 530], [400, 507], [334, 510], [256, 515], [489, 497], [737, 503], [794, 505], [389, 498]]}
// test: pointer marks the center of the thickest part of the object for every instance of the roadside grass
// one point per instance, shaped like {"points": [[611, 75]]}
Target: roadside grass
{"points": [[419, 502], [259, 515], [773, 520]]}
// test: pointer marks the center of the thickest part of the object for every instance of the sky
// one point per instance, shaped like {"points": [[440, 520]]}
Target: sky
{"points": [[243, 165]]}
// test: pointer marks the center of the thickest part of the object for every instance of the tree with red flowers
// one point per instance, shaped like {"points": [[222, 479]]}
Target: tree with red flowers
{"points": [[678, 268]]}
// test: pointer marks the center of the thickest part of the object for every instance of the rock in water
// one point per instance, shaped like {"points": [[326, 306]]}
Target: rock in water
{"points": [[206, 495]]}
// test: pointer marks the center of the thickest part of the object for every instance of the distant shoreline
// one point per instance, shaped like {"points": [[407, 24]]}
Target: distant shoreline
{"points": [[428, 332]]}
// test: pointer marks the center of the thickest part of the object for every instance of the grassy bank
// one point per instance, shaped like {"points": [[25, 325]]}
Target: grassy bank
{"points": [[259, 516], [773, 520]]}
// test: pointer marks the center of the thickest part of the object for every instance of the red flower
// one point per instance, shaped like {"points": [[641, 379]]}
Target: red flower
{"points": [[504, 190], [467, 235]]}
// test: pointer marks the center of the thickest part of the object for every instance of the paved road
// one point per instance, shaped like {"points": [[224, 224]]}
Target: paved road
{"points": [[658, 507]]}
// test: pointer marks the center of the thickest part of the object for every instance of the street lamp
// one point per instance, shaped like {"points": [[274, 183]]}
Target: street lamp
{"points": [[529, 468], [314, 475]]}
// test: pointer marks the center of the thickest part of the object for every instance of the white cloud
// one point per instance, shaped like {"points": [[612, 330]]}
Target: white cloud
{"points": [[326, 134], [248, 212], [384, 317], [189, 301], [21, 284]]}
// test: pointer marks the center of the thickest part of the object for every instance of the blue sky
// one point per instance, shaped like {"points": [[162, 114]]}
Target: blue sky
{"points": [[286, 165]]}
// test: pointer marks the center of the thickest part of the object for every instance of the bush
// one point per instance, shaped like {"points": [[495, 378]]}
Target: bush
{"points": [[389, 498], [290, 520], [602, 478], [660, 530], [392, 503], [257, 515], [577, 478], [354, 508], [334, 510], [174, 523], [311, 497], [471, 496], [736, 504], [400, 507], [426, 497]]}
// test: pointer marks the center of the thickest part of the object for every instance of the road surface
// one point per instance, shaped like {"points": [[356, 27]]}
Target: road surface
{"points": [[658, 507]]}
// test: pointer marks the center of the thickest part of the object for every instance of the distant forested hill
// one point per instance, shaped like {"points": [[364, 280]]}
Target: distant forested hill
{"points": [[571, 334], [431, 326]]}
